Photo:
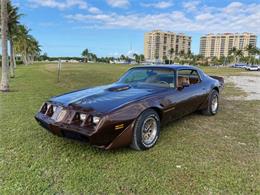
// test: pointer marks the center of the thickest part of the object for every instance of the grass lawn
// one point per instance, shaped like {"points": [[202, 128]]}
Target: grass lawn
{"points": [[196, 154]]}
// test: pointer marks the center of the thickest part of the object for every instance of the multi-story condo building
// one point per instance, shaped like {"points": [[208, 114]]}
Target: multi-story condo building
{"points": [[217, 45], [158, 44]]}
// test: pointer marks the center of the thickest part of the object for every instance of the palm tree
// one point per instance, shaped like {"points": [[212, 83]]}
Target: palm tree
{"points": [[141, 56], [85, 55], [26, 45], [13, 21], [22, 42], [222, 60], [189, 57], [93, 57], [257, 51], [171, 52], [33, 49], [4, 28], [137, 57], [165, 59], [239, 53], [122, 57], [182, 52], [214, 60], [199, 59], [232, 52], [251, 52]]}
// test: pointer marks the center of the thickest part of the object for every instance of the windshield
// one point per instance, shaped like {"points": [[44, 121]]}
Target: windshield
{"points": [[161, 77]]}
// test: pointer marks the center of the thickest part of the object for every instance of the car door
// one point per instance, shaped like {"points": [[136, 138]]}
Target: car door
{"points": [[198, 89], [184, 100]]}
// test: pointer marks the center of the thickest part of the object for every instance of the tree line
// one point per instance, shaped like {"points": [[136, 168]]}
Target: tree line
{"points": [[234, 56], [88, 56], [21, 42]]}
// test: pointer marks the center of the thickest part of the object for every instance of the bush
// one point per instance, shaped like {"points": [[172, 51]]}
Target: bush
{"points": [[18, 62]]}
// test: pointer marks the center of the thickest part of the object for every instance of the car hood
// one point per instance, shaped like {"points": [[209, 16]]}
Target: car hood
{"points": [[106, 98]]}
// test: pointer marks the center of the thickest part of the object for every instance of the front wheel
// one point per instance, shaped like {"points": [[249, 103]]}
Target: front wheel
{"points": [[146, 130], [213, 104]]}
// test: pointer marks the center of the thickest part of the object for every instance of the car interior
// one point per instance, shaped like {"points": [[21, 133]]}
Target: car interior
{"points": [[183, 81], [187, 77]]}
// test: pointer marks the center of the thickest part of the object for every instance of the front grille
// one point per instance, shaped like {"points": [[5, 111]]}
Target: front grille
{"points": [[70, 117]]}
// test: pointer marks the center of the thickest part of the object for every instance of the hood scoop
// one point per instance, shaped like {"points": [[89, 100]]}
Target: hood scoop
{"points": [[118, 88]]}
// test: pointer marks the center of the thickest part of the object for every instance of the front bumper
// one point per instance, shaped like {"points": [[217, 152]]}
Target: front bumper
{"points": [[60, 129], [94, 137]]}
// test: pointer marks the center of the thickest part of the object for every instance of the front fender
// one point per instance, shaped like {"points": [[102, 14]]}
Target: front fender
{"points": [[123, 139], [127, 117]]}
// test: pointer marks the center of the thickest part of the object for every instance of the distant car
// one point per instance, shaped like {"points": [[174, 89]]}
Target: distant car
{"points": [[252, 68], [239, 66], [131, 110]]}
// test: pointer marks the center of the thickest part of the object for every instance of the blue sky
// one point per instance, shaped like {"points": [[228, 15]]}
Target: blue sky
{"points": [[114, 27]]}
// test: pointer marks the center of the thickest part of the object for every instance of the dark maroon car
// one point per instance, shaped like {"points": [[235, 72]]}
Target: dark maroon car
{"points": [[131, 110]]}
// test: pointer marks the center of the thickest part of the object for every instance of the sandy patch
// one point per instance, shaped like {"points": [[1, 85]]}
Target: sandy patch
{"points": [[251, 73], [249, 84]]}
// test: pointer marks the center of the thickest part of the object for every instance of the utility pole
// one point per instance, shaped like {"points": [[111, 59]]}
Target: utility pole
{"points": [[59, 69]]}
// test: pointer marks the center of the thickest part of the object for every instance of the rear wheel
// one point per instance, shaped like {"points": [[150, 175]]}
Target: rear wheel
{"points": [[146, 130], [213, 104]]}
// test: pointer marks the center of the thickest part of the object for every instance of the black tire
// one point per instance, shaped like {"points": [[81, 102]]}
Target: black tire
{"points": [[211, 110], [138, 140]]}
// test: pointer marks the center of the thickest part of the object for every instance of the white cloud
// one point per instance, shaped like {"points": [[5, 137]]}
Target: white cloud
{"points": [[94, 10], [191, 6], [233, 7], [58, 4], [81, 4], [118, 3], [160, 4], [204, 16], [136, 21], [235, 17]]}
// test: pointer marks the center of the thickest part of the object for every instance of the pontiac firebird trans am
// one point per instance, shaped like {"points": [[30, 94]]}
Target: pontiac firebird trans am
{"points": [[131, 110]]}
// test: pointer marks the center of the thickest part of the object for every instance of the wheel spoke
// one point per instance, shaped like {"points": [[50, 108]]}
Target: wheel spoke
{"points": [[149, 131]]}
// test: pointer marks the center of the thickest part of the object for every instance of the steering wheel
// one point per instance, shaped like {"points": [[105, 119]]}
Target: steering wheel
{"points": [[164, 82]]}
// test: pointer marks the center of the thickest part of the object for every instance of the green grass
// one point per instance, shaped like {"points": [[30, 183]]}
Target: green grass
{"points": [[197, 154]]}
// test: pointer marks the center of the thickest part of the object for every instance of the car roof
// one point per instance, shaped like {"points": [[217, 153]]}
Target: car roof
{"points": [[171, 66]]}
